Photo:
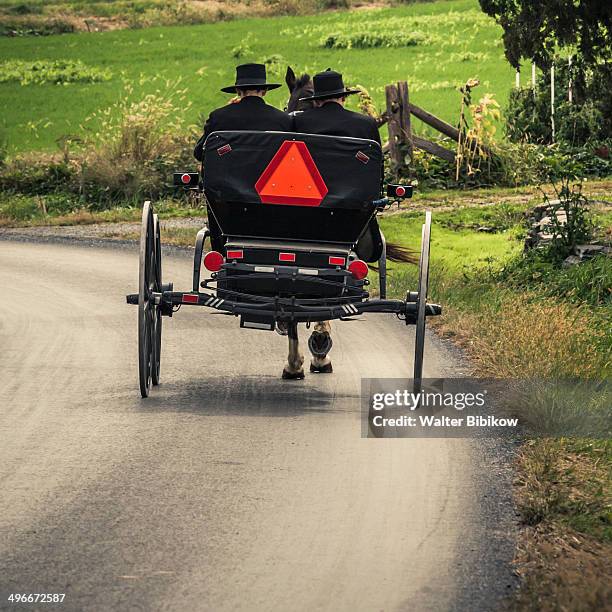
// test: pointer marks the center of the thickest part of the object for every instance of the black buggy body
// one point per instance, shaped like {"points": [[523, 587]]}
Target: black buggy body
{"points": [[276, 206], [288, 210]]}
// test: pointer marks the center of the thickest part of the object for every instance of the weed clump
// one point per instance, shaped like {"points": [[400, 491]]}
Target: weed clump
{"points": [[57, 72]]}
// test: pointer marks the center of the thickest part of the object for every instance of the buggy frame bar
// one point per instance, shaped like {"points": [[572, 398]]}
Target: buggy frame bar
{"points": [[287, 309]]}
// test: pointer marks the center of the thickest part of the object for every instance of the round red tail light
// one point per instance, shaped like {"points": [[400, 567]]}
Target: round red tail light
{"points": [[400, 191], [213, 260], [358, 268], [186, 179]]}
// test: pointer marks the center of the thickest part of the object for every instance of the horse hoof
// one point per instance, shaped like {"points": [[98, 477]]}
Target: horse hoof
{"points": [[287, 375], [324, 369], [282, 328], [320, 343]]}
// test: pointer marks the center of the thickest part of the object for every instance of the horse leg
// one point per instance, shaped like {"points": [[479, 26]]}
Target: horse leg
{"points": [[294, 369], [320, 344]]}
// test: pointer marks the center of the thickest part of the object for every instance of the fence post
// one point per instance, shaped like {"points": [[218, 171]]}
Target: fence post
{"points": [[394, 125], [570, 93], [533, 75], [406, 129], [552, 100], [517, 80]]}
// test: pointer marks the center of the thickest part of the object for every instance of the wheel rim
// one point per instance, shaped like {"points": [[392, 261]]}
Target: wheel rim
{"points": [[157, 319], [419, 343], [146, 306]]}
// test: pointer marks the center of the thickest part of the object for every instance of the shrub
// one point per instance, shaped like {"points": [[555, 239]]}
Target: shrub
{"points": [[32, 25], [58, 72], [588, 118], [333, 4], [368, 39], [19, 208], [577, 228], [36, 174]]}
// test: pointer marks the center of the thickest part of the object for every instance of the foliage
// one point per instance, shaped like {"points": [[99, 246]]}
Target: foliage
{"points": [[59, 72], [577, 227], [275, 64], [476, 136], [28, 25], [129, 152], [590, 282], [587, 119], [135, 145], [511, 165], [368, 39], [534, 30], [37, 175], [242, 49]]}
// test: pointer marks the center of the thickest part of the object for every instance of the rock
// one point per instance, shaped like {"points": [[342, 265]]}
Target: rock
{"points": [[588, 251], [570, 261]]}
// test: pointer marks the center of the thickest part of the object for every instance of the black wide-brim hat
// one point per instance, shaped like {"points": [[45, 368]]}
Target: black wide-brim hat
{"points": [[250, 76], [329, 84]]}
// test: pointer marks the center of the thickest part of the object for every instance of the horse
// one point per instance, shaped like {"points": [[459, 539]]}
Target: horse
{"points": [[320, 341], [298, 88]]}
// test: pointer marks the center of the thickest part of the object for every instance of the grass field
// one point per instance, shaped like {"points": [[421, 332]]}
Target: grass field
{"points": [[454, 41]]}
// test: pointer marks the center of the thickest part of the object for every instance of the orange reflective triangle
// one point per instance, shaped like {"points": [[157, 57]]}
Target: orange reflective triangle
{"points": [[291, 177]]}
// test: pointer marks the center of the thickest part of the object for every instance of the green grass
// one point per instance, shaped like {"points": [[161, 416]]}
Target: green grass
{"points": [[464, 43]]}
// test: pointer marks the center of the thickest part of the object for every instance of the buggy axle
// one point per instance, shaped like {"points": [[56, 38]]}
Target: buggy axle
{"points": [[287, 310]]}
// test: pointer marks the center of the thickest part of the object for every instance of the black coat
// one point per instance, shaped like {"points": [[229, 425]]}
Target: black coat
{"points": [[335, 120], [251, 113]]}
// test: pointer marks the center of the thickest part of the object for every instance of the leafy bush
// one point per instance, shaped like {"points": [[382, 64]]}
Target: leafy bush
{"points": [[511, 165], [368, 39], [587, 119], [30, 25], [19, 208], [577, 228], [58, 72], [36, 174], [333, 4]]}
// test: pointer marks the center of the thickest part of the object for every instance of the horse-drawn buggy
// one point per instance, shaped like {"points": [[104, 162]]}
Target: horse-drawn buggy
{"points": [[289, 211]]}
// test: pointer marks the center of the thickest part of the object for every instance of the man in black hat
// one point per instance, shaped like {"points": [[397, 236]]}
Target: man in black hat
{"points": [[250, 112], [331, 118], [329, 115]]}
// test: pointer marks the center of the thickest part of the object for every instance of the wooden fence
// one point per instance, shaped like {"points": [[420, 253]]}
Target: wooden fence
{"points": [[402, 141]]}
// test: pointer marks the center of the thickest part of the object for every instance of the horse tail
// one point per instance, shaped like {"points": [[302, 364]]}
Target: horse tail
{"points": [[401, 254]]}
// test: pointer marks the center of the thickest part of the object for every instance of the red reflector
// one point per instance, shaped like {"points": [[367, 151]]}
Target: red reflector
{"points": [[336, 261], [224, 149], [400, 191], [190, 298], [213, 260], [286, 257], [185, 179], [238, 254], [362, 157], [291, 177], [358, 268]]}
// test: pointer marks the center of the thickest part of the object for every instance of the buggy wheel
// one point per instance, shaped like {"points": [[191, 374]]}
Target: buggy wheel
{"points": [[147, 309], [157, 321], [419, 343]]}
